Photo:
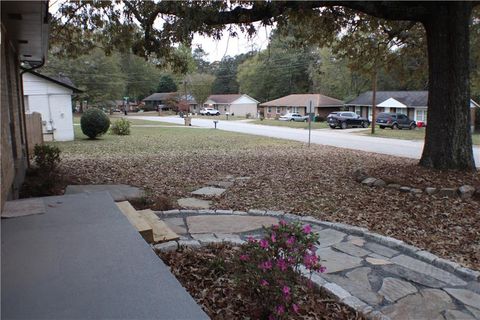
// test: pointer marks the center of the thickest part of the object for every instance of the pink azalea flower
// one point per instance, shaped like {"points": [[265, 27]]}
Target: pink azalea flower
{"points": [[251, 239], [266, 265], [291, 240], [271, 317], [307, 228], [264, 283], [264, 243], [323, 269], [244, 257], [286, 291], [282, 222], [280, 310], [273, 237], [282, 264], [295, 308]]}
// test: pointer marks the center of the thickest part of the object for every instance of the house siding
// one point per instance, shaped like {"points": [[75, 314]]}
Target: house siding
{"points": [[53, 102], [13, 141]]}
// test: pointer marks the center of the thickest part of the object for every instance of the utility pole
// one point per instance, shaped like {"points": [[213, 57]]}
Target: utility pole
{"points": [[309, 122], [374, 98]]}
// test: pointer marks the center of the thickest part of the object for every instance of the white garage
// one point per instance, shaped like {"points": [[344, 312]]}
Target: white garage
{"points": [[52, 98], [236, 104]]}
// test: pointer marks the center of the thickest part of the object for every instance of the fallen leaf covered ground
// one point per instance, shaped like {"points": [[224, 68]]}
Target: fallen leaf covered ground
{"points": [[287, 176], [209, 276]]}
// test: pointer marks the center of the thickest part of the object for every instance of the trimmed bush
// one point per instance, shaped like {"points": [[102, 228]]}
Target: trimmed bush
{"points": [[94, 123], [47, 157], [319, 119], [121, 127]]}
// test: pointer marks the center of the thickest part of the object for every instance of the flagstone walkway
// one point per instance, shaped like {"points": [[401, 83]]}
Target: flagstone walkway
{"points": [[382, 277]]}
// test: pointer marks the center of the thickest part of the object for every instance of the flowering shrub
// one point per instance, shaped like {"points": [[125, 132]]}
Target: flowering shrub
{"points": [[269, 267]]}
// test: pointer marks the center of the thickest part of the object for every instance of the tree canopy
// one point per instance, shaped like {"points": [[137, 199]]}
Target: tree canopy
{"points": [[153, 28]]}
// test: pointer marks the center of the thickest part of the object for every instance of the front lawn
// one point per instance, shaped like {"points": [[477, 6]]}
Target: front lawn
{"points": [[133, 121], [220, 117], [284, 175], [290, 124], [417, 134]]}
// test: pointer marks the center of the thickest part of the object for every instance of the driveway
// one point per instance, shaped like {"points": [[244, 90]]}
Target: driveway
{"points": [[336, 138]]}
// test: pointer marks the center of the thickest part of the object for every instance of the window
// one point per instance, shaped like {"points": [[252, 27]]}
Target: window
{"points": [[358, 110], [269, 110], [194, 107], [277, 110], [295, 109], [225, 109], [421, 115]]}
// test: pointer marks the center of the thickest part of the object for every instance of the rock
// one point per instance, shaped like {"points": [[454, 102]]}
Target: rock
{"points": [[359, 174], [430, 190], [393, 289], [329, 236], [177, 225], [428, 269], [405, 189], [356, 241], [413, 276], [209, 191], [351, 249], [428, 304], [457, 315], [369, 181], [394, 186], [475, 312], [466, 191], [377, 261], [193, 203], [379, 183], [221, 184], [416, 191], [467, 297], [227, 223], [447, 192], [167, 246], [206, 238], [381, 250], [337, 261]]}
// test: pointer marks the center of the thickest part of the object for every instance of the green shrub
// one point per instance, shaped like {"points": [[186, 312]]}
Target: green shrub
{"points": [[94, 123], [121, 127], [47, 157], [319, 119]]}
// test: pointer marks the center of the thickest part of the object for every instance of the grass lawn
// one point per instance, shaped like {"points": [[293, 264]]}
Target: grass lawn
{"points": [[76, 120], [417, 134], [220, 117], [284, 175], [290, 124]]}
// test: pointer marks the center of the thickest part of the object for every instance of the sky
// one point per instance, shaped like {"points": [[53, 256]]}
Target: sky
{"points": [[216, 49], [229, 46]]}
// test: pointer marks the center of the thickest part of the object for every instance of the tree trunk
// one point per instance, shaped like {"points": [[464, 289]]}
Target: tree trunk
{"points": [[448, 140]]}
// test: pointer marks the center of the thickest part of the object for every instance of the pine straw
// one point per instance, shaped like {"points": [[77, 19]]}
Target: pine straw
{"points": [[208, 275]]}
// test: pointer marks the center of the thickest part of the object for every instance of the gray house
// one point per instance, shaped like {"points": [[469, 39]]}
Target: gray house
{"points": [[412, 103]]}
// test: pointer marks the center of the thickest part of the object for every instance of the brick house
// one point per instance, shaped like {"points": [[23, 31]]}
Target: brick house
{"points": [[300, 103]]}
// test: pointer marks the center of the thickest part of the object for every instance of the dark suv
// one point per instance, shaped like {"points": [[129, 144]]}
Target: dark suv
{"points": [[394, 121], [345, 119]]}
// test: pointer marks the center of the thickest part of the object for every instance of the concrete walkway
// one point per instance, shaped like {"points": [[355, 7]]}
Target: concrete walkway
{"points": [[380, 276], [336, 138], [80, 258]]}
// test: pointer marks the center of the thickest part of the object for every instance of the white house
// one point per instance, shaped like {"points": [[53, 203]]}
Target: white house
{"points": [[236, 104], [52, 98]]}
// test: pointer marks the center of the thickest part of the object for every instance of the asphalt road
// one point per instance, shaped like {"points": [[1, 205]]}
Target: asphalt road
{"points": [[337, 138]]}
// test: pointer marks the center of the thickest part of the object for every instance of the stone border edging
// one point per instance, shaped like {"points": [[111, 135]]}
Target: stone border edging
{"points": [[331, 288]]}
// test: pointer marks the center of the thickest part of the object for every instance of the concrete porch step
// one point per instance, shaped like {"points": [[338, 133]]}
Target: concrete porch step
{"points": [[152, 229]]}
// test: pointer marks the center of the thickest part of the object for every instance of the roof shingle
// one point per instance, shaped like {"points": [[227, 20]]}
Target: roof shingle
{"points": [[303, 100]]}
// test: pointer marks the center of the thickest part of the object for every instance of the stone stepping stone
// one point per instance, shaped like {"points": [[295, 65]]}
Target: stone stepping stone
{"points": [[221, 184], [413, 276], [381, 250], [357, 283], [193, 203], [467, 297], [428, 304], [176, 224], [209, 191], [337, 261], [329, 237], [457, 315], [351, 249], [227, 223], [119, 192], [428, 269], [394, 289]]}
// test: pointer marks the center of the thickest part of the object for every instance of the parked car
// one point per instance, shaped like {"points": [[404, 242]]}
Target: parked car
{"points": [[294, 117], [394, 121], [345, 119], [209, 112]]}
